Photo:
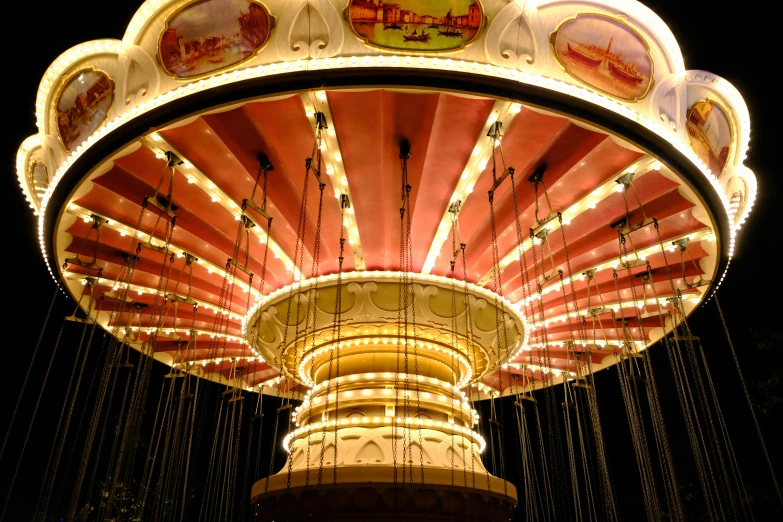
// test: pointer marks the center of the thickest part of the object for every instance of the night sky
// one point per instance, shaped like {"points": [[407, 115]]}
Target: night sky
{"points": [[740, 45]]}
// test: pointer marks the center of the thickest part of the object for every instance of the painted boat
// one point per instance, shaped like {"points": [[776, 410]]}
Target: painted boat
{"points": [[580, 54], [627, 73], [413, 37], [450, 32]]}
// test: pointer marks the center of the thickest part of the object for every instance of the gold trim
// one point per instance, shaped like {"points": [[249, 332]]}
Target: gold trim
{"points": [[272, 25], [729, 119], [622, 19], [31, 180], [481, 27], [59, 93]]}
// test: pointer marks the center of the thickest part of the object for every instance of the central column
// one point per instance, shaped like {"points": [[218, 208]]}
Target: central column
{"points": [[384, 428]]}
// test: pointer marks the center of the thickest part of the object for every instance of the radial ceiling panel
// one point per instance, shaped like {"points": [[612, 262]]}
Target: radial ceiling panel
{"points": [[446, 132]]}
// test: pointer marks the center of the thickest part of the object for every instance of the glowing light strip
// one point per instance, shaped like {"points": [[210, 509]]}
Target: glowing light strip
{"points": [[704, 234], [502, 111], [467, 374], [368, 61], [586, 203], [601, 343], [335, 169], [143, 289], [197, 177], [193, 364], [542, 369], [169, 331], [28, 145], [123, 228], [221, 360], [386, 394], [614, 305], [374, 422], [374, 376], [750, 178]]}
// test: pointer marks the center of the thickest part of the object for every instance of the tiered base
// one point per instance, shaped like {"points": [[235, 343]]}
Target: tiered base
{"points": [[369, 493]]}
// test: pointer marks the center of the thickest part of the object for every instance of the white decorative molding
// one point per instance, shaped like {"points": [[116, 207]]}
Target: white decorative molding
{"points": [[509, 40], [292, 38], [312, 36]]}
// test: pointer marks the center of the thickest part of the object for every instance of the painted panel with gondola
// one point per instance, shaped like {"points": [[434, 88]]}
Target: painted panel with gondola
{"points": [[417, 25]]}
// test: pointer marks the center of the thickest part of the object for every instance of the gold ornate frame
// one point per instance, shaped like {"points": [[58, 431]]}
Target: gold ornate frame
{"points": [[729, 119], [65, 82], [621, 18], [481, 27], [272, 25], [31, 180]]}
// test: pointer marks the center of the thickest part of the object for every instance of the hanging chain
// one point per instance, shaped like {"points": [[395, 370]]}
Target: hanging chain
{"points": [[748, 399], [338, 311], [500, 317], [472, 350]]}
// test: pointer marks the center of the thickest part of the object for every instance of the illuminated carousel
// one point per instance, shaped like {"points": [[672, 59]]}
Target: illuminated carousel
{"points": [[402, 222]]}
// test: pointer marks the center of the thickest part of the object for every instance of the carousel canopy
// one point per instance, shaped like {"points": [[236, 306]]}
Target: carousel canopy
{"points": [[581, 123]]}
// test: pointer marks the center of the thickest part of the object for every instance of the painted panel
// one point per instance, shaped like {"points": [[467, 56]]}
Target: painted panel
{"points": [[210, 35], [83, 102], [417, 25], [710, 133], [606, 54]]}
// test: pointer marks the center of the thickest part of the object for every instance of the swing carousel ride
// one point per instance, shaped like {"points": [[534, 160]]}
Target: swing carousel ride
{"points": [[399, 242]]}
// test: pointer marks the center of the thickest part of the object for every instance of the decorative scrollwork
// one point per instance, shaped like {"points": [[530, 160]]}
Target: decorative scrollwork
{"points": [[510, 42]]}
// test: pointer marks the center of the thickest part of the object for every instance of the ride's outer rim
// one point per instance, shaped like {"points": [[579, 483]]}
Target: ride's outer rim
{"points": [[377, 78]]}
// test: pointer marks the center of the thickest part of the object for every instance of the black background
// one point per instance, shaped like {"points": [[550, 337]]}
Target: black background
{"points": [[737, 40]]}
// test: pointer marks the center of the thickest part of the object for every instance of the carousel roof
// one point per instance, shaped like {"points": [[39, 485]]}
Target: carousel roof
{"points": [[585, 141], [221, 154]]}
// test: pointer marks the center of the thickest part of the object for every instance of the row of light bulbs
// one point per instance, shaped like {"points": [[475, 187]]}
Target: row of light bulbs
{"points": [[704, 234], [542, 369], [598, 342], [335, 171], [384, 394], [466, 368], [640, 303], [503, 112], [198, 178], [407, 423], [125, 230], [142, 289]]}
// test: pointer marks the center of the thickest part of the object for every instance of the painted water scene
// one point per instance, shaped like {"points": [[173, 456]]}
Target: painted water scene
{"points": [[421, 25], [209, 35], [606, 54], [710, 133], [82, 106]]}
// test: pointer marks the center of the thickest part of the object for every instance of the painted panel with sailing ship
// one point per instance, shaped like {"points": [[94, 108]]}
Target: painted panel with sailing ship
{"points": [[82, 106], [605, 53], [710, 133], [420, 25], [209, 35]]}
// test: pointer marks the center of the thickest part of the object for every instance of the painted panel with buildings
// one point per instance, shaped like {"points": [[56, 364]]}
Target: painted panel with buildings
{"points": [[82, 105], [417, 24], [710, 133], [210, 35]]}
